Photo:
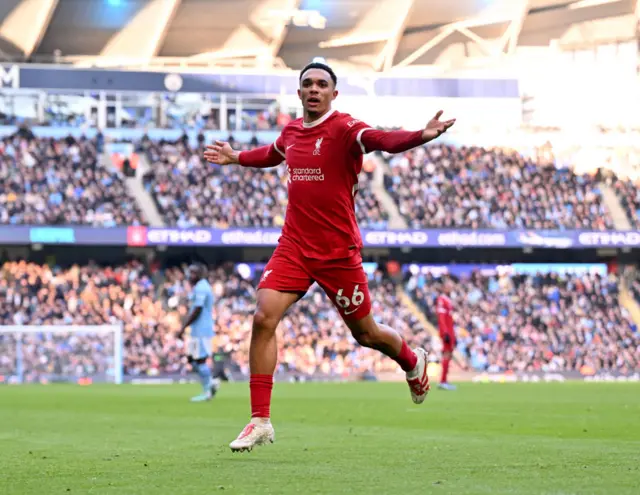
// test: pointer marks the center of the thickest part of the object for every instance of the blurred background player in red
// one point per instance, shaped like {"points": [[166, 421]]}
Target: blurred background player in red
{"points": [[320, 240], [444, 309]]}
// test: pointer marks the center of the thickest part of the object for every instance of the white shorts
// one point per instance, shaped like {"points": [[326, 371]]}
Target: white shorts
{"points": [[199, 347]]}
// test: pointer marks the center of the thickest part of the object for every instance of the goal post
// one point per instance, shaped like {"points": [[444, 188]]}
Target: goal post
{"points": [[61, 353]]}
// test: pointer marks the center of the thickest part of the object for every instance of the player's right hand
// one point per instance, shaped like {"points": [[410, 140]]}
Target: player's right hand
{"points": [[221, 153]]}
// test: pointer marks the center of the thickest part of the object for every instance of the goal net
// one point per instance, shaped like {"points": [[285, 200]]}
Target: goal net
{"points": [[61, 353]]}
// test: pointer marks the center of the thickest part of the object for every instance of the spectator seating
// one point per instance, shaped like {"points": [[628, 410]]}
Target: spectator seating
{"points": [[54, 182], [538, 323], [444, 186]]}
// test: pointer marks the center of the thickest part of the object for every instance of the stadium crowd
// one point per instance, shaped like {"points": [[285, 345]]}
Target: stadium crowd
{"points": [[504, 322], [151, 306], [543, 322], [190, 192], [471, 187], [47, 181]]}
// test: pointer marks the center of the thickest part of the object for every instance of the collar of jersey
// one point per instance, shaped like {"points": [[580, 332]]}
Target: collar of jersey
{"points": [[307, 125]]}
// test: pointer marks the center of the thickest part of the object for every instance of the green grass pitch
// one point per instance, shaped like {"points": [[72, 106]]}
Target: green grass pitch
{"points": [[356, 438]]}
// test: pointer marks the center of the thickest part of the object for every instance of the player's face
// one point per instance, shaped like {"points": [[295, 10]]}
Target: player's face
{"points": [[194, 274], [317, 92]]}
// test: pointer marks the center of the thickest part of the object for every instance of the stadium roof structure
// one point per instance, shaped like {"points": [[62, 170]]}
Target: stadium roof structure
{"points": [[376, 35]]}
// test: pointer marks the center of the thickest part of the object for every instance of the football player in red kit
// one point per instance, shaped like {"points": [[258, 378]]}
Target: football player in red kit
{"points": [[444, 309], [320, 240]]}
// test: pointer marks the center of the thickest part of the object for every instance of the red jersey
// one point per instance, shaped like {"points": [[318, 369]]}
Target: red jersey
{"points": [[324, 159], [444, 308]]}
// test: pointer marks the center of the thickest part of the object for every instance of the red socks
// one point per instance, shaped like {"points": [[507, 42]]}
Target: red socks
{"points": [[261, 386], [407, 359], [445, 370]]}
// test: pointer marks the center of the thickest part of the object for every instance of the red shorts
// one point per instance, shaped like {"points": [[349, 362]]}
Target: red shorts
{"points": [[343, 280], [448, 341]]}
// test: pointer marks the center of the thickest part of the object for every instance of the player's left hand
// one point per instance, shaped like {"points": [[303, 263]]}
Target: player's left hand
{"points": [[221, 153], [436, 127]]}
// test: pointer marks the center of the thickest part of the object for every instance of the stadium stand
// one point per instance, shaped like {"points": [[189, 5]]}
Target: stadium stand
{"points": [[445, 186], [505, 323], [152, 305], [435, 186], [545, 322], [46, 181], [190, 192]]}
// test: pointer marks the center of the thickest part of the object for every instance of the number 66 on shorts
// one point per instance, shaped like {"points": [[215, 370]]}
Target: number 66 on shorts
{"points": [[348, 306]]}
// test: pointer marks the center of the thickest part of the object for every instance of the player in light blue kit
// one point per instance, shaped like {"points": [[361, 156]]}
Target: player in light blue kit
{"points": [[200, 320]]}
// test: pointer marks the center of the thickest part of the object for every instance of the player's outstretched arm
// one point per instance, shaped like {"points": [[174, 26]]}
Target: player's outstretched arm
{"points": [[222, 153], [436, 127], [400, 141]]}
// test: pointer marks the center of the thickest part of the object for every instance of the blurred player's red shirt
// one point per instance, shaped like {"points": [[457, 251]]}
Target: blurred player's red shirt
{"points": [[324, 159], [444, 308]]}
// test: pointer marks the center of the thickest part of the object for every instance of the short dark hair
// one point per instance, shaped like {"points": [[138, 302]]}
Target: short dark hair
{"points": [[321, 66], [198, 267]]}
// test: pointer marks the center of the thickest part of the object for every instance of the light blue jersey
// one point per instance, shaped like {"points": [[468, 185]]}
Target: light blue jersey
{"points": [[202, 297]]}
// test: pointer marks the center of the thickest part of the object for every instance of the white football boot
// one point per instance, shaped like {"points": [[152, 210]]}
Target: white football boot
{"points": [[418, 379], [258, 432]]}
